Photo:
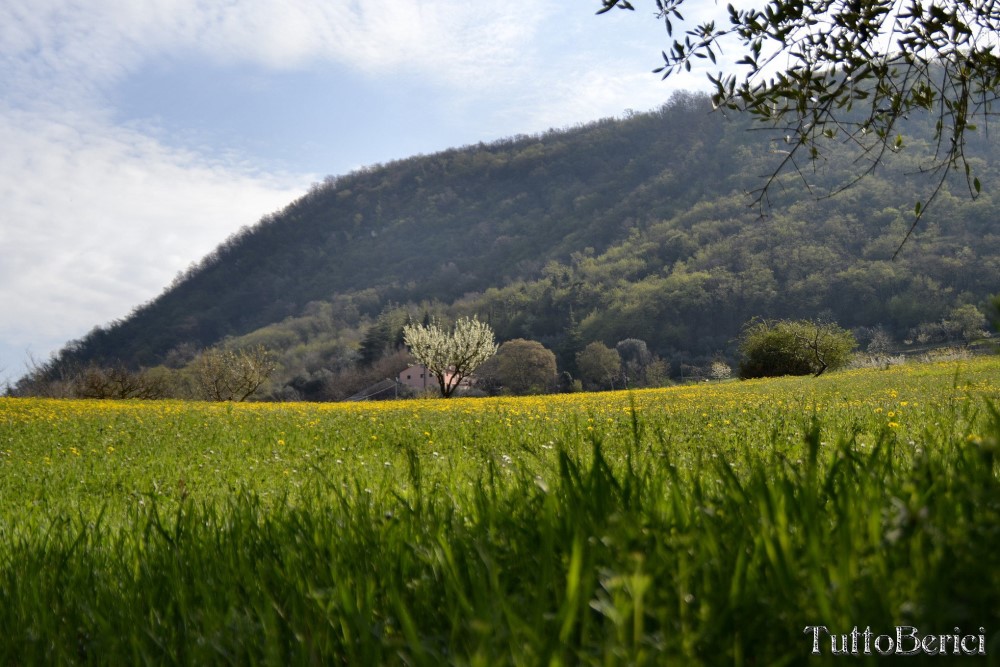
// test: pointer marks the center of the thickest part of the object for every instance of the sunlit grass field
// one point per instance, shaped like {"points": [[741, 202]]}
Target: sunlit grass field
{"points": [[695, 525]]}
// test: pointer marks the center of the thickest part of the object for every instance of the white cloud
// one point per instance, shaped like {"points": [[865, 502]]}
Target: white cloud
{"points": [[87, 47], [97, 218], [97, 221], [448, 40], [553, 60]]}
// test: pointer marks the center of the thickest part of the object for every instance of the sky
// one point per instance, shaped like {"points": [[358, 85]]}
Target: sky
{"points": [[137, 136]]}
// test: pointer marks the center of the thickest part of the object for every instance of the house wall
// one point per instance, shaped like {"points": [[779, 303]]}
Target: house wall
{"points": [[418, 377]]}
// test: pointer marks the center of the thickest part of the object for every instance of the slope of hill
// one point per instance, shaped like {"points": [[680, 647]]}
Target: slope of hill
{"points": [[638, 227]]}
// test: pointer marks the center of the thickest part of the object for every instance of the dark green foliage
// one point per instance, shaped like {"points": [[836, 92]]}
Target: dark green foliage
{"points": [[384, 337], [634, 228], [441, 226], [525, 367], [636, 358], [600, 366], [800, 347]]}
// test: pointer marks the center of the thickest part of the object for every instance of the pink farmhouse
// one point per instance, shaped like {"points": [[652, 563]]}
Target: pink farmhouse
{"points": [[418, 377]]}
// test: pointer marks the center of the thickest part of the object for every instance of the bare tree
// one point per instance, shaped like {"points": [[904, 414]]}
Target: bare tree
{"points": [[233, 375], [118, 382]]}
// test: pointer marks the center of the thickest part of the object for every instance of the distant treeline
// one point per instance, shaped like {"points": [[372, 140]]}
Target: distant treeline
{"points": [[634, 228]]}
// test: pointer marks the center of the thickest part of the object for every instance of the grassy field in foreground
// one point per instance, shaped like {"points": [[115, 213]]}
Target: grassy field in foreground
{"points": [[704, 525]]}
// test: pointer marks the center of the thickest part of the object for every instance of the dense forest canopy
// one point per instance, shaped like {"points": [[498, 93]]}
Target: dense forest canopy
{"points": [[636, 227]]}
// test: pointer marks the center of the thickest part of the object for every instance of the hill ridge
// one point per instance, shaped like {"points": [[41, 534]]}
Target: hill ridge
{"points": [[634, 227]]}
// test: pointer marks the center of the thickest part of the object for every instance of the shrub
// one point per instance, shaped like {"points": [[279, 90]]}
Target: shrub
{"points": [[599, 366], [526, 367], [793, 347]]}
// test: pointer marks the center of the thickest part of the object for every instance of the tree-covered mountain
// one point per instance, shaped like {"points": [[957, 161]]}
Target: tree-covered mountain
{"points": [[639, 227]]}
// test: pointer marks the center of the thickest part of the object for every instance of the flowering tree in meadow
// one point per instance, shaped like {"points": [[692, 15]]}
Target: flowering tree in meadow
{"points": [[720, 370], [451, 355]]}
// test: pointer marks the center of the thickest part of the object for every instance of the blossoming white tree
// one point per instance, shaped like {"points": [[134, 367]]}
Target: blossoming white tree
{"points": [[451, 355], [720, 370]]}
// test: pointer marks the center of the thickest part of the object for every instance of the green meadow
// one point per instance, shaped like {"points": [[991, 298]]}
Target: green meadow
{"points": [[695, 525]]}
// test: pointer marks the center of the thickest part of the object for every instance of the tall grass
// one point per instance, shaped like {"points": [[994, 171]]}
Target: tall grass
{"points": [[622, 532]]}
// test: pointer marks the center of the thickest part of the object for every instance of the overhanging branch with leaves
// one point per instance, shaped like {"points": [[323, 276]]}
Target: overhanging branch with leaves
{"points": [[850, 71]]}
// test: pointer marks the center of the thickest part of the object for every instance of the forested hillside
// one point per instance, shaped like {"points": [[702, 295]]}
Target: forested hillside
{"points": [[639, 227]]}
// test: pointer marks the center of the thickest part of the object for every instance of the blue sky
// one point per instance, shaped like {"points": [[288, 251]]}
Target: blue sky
{"points": [[139, 135]]}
